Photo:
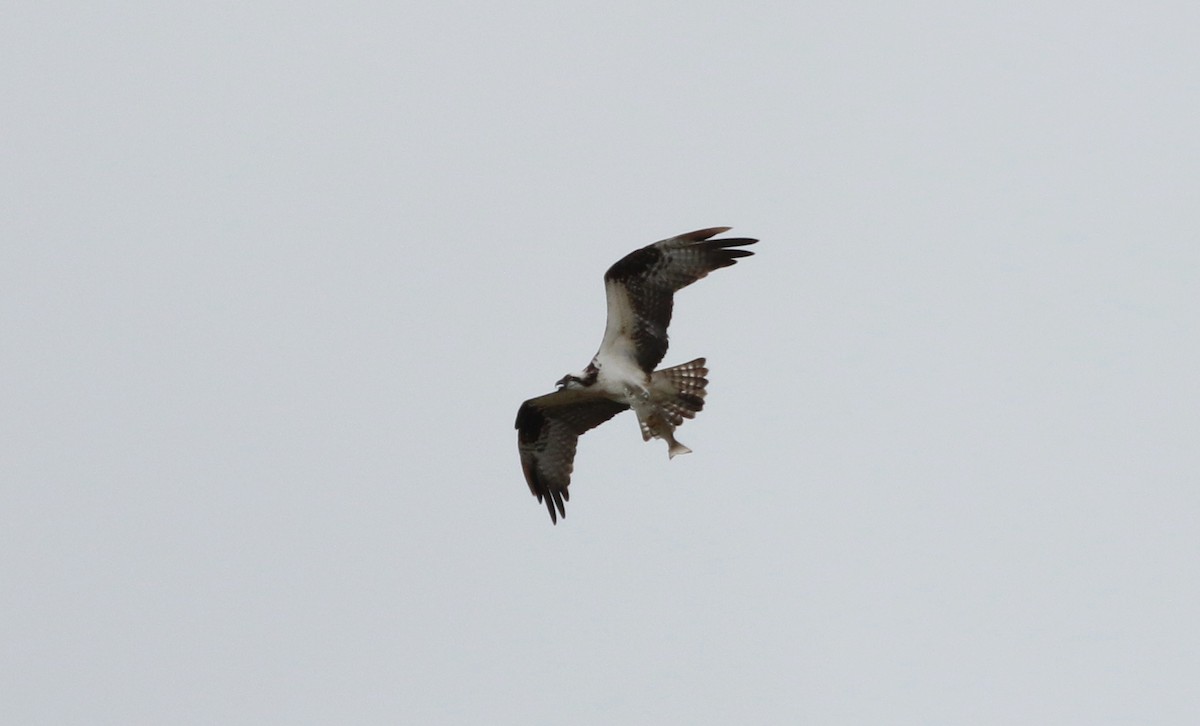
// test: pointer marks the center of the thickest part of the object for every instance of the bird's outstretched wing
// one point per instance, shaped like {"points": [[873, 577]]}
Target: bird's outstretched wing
{"points": [[548, 427], [641, 286]]}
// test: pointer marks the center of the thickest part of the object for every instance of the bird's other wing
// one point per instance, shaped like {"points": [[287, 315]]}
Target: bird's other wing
{"points": [[641, 286], [548, 428]]}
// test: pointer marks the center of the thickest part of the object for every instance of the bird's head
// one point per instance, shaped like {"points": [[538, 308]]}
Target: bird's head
{"points": [[582, 379], [571, 381]]}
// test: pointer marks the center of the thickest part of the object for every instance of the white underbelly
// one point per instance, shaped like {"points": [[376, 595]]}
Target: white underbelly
{"points": [[622, 379]]}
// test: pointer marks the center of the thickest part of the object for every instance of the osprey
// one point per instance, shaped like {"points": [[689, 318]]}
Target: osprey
{"points": [[640, 289]]}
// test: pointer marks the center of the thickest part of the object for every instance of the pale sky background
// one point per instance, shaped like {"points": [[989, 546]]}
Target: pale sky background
{"points": [[275, 277]]}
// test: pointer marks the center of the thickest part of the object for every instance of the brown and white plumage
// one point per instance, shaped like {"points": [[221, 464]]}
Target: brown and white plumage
{"points": [[640, 290]]}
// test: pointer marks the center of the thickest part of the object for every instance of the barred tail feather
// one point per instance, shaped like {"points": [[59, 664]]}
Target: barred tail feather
{"points": [[676, 394], [679, 391]]}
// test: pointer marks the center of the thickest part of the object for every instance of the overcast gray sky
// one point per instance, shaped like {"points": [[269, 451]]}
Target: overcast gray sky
{"points": [[274, 279]]}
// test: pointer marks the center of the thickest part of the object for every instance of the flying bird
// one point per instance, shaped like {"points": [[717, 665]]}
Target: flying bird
{"points": [[640, 289]]}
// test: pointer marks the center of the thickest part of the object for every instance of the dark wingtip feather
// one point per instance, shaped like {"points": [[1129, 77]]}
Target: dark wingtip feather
{"points": [[551, 498], [724, 251], [557, 501], [716, 244]]}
